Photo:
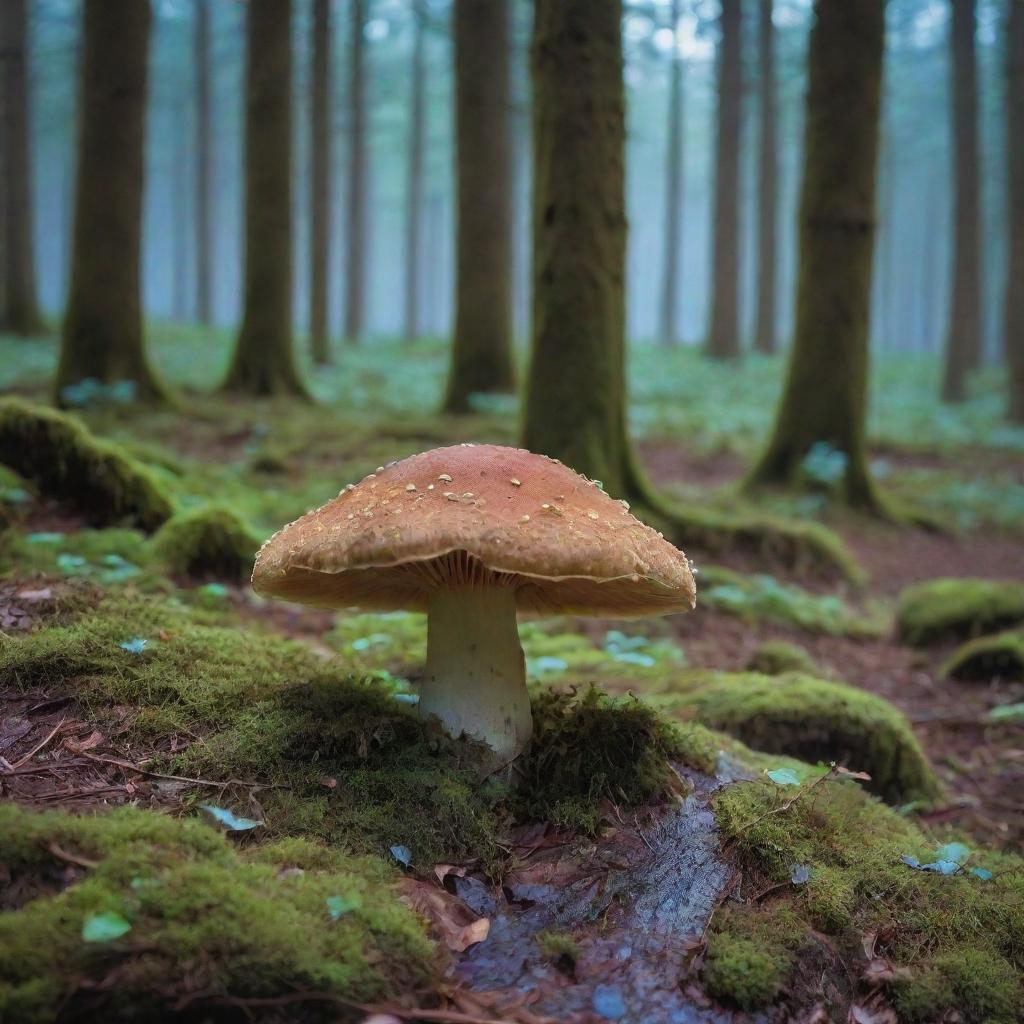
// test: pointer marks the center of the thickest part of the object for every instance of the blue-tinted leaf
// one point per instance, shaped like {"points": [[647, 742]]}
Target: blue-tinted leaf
{"points": [[983, 873], [955, 852], [634, 658], [784, 777], [136, 645], [940, 867], [373, 640], [229, 820], [406, 698], [1007, 713], [544, 664], [608, 1002], [45, 537], [338, 906], [402, 854], [104, 927], [799, 874]]}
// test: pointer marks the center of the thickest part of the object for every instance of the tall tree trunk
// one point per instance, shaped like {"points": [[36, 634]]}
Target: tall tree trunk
{"points": [[319, 187], [102, 333], [482, 345], [179, 233], [21, 308], [768, 189], [414, 177], [575, 404], [723, 334], [826, 390], [1013, 322], [668, 320], [356, 250], [204, 237], [963, 342], [264, 362]]}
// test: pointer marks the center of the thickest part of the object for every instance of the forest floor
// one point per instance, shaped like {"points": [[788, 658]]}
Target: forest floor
{"points": [[698, 426]]}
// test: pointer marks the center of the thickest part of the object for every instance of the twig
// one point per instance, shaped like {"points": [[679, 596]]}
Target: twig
{"points": [[832, 773], [72, 858], [128, 766], [35, 750]]}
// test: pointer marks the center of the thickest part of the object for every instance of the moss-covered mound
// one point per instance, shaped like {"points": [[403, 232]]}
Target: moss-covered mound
{"points": [[776, 657], [208, 543], [957, 609], [824, 878], [989, 657], [814, 720], [64, 461], [168, 915]]}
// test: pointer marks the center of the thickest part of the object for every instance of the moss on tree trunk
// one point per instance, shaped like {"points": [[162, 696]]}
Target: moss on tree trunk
{"points": [[482, 346], [1013, 323], [21, 309], [102, 333], [826, 389], [263, 363]]}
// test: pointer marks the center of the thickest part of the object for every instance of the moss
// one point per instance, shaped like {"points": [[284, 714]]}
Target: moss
{"points": [[776, 657], [204, 919], [816, 720], [209, 542], [749, 956], [851, 845], [110, 556], [588, 748], [957, 609], [560, 948], [982, 986], [64, 461], [989, 657]]}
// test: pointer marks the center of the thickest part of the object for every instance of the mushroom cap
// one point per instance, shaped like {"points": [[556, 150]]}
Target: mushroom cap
{"points": [[476, 513]]}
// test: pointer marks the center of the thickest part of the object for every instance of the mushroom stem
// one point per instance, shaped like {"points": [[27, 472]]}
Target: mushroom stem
{"points": [[475, 676]]}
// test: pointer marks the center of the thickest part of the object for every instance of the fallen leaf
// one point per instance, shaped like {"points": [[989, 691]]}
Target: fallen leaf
{"points": [[338, 906], [328, 782], [43, 594], [136, 645], [456, 925], [104, 927], [880, 971], [229, 820], [444, 870], [94, 739], [402, 854], [784, 777], [840, 770], [860, 1014]]}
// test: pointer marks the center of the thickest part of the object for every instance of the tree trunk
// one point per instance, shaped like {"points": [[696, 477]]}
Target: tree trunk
{"points": [[723, 334], [204, 238], [319, 187], [355, 249], [1013, 323], [482, 345], [102, 333], [963, 342], [825, 394], [768, 189], [21, 309], [179, 234], [668, 329], [264, 362], [575, 404], [414, 177]]}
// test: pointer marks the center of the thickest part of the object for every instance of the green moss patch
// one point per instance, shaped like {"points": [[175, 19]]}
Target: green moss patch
{"points": [[776, 657], [957, 609], [989, 657], [208, 543], [64, 461], [817, 720], [170, 911], [831, 858]]}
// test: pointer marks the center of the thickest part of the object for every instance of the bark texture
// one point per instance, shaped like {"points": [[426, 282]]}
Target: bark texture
{"points": [[1013, 316], [668, 320], [355, 248], [414, 176], [204, 238], [767, 189], [21, 307], [575, 403], [264, 362], [825, 395], [963, 341], [482, 345], [723, 333], [319, 185], [102, 331]]}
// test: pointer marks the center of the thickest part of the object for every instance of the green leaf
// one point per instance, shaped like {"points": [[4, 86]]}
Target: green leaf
{"points": [[784, 777], [104, 927]]}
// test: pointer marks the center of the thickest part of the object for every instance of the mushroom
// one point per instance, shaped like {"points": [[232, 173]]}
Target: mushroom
{"points": [[473, 535]]}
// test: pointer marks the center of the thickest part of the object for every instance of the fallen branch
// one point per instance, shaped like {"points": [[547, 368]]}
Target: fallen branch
{"points": [[128, 766], [71, 858], [35, 750]]}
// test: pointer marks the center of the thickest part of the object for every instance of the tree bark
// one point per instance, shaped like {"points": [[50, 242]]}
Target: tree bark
{"points": [[768, 189], [21, 307], [204, 237], [264, 362], [482, 346], [102, 331], [575, 404], [963, 341], [319, 188], [826, 389], [1013, 322], [723, 334], [356, 250], [414, 177], [668, 330]]}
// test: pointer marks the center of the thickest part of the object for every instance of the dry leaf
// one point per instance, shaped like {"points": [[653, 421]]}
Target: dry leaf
{"points": [[94, 739], [457, 925]]}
